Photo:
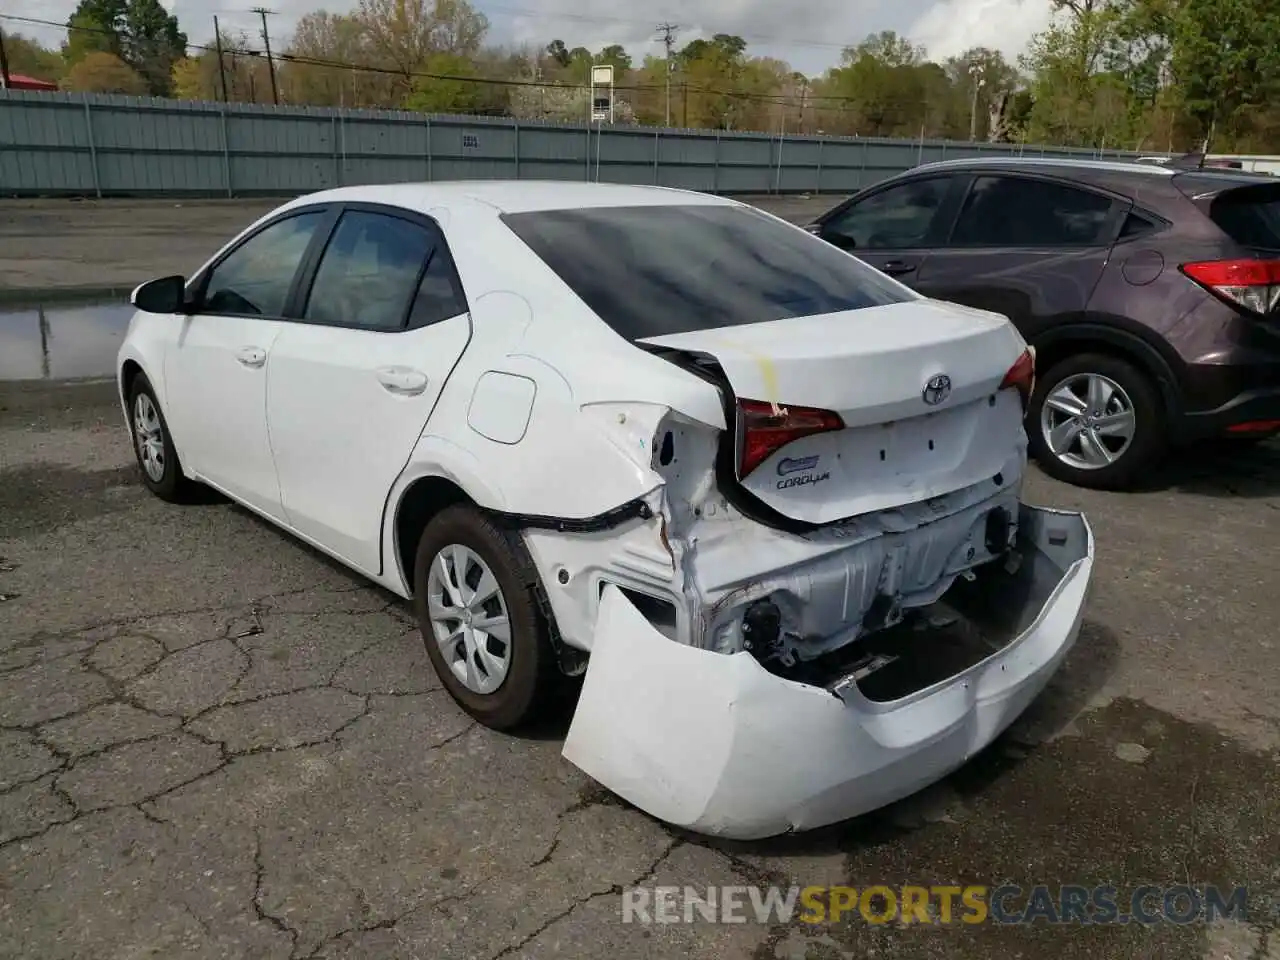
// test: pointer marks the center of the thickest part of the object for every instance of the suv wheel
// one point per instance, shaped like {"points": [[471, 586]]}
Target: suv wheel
{"points": [[1095, 421]]}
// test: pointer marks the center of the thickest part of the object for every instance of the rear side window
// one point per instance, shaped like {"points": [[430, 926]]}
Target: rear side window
{"points": [[656, 270], [438, 297], [369, 271], [1250, 216], [1019, 212], [1136, 225]]}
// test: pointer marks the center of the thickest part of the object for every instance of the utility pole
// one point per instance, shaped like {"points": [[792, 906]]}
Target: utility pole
{"points": [[4, 65], [222, 69], [668, 38], [266, 40], [975, 71]]}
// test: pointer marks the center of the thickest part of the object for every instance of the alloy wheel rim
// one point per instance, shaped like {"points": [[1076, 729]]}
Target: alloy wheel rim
{"points": [[149, 436], [469, 618], [1088, 421]]}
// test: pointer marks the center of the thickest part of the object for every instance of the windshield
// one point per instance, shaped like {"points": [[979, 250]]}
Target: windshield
{"points": [[656, 270]]}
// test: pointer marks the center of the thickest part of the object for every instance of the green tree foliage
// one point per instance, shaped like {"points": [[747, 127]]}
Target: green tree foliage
{"points": [[1150, 75], [141, 33], [101, 72], [432, 95], [29, 59]]}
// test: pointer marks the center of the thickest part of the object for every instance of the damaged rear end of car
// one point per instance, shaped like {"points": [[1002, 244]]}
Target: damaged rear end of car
{"points": [[834, 594]]}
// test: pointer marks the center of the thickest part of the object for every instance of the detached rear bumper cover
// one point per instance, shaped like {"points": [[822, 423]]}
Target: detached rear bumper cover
{"points": [[716, 744]]}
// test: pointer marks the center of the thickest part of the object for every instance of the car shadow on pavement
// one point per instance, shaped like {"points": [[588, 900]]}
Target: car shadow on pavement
{"points": [[1074, 690], [1219, 469]]}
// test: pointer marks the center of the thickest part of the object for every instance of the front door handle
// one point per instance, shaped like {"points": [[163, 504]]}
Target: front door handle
{"points": [[404, 381], [896, 268], [251, 356]]}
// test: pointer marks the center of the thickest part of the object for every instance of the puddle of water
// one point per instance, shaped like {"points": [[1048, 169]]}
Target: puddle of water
{"points": [[62, 342]]}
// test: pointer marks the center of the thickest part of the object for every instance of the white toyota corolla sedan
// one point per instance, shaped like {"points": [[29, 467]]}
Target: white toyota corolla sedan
{"points": [[763, 500]]}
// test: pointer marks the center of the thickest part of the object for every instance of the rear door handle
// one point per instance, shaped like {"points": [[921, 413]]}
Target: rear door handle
{"points": [[251, 356], [897, 267], [404, 381]]}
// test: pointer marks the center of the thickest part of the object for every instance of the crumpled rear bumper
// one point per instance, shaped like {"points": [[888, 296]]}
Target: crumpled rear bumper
{"points": [[718, 745]]}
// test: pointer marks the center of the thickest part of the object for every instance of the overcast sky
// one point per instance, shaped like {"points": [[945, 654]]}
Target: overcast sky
{"points": [[809, 35]]}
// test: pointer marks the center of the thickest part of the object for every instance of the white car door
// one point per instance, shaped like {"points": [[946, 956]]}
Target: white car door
{"points": [[216, 370], [354, 381]]}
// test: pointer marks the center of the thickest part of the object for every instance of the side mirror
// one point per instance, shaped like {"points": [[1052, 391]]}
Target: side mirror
{"points": [[166, 295]]}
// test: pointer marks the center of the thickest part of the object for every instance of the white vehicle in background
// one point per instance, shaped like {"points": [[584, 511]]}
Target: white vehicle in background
{"points": [[763, 499]]}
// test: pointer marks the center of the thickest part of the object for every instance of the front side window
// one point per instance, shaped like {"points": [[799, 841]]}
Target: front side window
{"points": [[369, 271], [254, 279], [655, 270], [898, 218], [1017, 212]]}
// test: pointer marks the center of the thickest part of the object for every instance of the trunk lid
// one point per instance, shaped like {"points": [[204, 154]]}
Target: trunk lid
{"points": [[873, 367]]}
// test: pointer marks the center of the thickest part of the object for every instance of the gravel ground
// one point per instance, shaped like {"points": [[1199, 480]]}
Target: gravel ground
{"points": [[215, 743]]}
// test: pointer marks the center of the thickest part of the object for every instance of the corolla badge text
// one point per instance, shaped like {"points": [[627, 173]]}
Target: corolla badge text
{"points": [[788, 467], [936, 389]]}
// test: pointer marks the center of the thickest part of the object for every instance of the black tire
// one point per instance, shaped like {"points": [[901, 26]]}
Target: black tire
{"points": [[171, 486], [1149, 437], [533, 681]]}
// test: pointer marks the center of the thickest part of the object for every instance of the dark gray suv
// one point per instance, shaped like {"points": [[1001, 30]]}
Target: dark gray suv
{"points": [[1151, 294]]}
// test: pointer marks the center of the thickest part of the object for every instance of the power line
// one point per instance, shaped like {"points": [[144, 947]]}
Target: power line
{"points": [[668, 32], [266, 40], [4, 64], [222, 69], [304, 60]]}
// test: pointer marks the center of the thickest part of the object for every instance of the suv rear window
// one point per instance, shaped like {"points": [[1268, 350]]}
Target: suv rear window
{"points": [[1250, 215], [656, 270]]}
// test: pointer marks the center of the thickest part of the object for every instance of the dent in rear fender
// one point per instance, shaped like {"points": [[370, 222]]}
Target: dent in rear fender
{"points": [[716, 744]]}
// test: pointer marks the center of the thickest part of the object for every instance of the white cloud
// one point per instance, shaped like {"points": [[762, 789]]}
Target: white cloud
{"points": [[808, 35], [950, 27]]}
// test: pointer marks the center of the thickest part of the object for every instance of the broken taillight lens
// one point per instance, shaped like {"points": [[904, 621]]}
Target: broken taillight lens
{"points": [[764, 428], [1252, 284], [1022, 376]]}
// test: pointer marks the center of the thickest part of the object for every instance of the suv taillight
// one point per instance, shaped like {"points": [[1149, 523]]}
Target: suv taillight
{"points": [[1252, 284], [764, 428], [1022, 376]]}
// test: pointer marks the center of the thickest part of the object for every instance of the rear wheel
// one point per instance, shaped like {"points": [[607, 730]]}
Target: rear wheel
{"points": [[1096, 421], [474, 595]]}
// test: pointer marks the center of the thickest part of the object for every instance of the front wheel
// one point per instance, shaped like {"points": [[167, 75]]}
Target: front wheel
{"points": [[1096, 421], [153, 445], [474, 595]]}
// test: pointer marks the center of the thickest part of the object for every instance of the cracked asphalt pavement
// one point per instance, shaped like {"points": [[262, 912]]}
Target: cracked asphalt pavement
{"points": [[216, 743]]}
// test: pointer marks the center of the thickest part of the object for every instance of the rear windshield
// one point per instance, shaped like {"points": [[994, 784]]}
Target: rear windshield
{"points": [[1250, 216], [656, 270]]}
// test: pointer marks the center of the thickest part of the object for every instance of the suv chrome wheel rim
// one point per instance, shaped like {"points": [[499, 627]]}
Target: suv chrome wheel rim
{"points": [[149, 436], [1088, 421], [469, 618]]}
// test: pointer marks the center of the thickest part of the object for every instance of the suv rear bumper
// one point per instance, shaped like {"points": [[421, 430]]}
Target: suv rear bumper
{"points": [[1253, 407]]}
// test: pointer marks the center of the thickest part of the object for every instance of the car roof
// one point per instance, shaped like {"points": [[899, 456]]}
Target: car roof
{"points": [[514, 196]]}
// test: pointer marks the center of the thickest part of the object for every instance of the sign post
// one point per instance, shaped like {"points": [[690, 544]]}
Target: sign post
{"points": [[602, 93]]}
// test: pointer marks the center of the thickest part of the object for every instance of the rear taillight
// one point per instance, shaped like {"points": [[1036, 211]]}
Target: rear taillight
{"points": [[1252, 284], [765, 428], [1022, 376]]}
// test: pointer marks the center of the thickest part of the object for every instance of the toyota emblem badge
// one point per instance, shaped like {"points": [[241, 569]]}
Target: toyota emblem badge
{"points": [[936, 389]]}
